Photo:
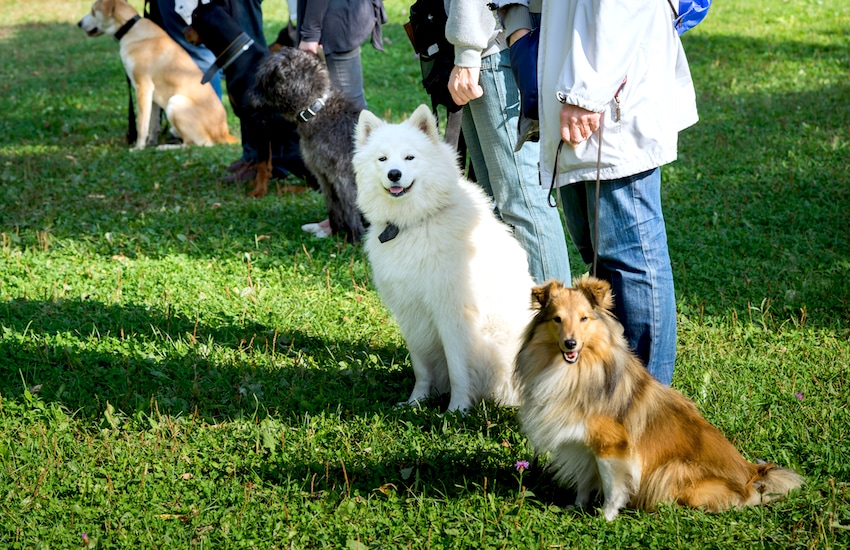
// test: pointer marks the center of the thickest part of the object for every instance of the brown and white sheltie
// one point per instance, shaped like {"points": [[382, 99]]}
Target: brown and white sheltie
{"points": [[610, 427]]}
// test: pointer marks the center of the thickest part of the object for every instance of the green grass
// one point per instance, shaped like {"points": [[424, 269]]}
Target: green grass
{"points": [[180, 366]]}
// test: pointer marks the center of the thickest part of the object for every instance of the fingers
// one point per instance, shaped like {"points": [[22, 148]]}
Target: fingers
{"points": [[309, 47], [463, 85], [578, 124]]}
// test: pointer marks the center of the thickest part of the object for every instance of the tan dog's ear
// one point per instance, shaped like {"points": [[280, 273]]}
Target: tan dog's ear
{"points": [[423, 119], [597, 291], [365, 124], [107, 7], [542, 295]]}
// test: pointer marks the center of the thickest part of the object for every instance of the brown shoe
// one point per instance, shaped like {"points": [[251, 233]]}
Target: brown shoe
{"points": [[245, 173], [237, 165]]}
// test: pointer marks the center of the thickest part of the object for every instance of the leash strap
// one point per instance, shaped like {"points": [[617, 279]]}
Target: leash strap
{"points": [[596, 204]]}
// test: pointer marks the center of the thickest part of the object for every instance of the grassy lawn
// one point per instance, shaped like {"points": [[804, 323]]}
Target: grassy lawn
{"points": [[181, 366]]}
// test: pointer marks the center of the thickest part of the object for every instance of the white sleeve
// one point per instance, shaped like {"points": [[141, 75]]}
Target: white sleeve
{"points": [[605, 36]]}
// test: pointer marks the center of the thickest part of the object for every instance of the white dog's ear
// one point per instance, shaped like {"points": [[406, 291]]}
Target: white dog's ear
{"points": [[423, 119], [365, 124]]}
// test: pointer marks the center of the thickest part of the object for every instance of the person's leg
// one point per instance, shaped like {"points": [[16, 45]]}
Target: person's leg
{"points": [[512, 177], [346, 72], [248, 14], [574, 204], [634, 258], [474, 152]]}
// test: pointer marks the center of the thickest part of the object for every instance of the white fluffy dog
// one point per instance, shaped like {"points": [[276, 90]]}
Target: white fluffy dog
{"points": [[450, 271]]}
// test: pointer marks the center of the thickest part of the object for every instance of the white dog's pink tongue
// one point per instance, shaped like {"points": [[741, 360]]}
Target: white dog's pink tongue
{"points": [[396, 189]]}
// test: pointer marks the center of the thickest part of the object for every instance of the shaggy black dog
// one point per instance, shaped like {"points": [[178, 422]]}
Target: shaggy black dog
{"points": [[297, 85], [274, 138]]}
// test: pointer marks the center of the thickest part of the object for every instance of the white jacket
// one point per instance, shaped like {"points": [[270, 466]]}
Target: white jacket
{"points": [[594, 50]]}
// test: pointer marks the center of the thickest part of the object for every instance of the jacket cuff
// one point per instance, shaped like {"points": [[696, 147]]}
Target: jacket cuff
{"points": [[579, 101], [467, 57]]}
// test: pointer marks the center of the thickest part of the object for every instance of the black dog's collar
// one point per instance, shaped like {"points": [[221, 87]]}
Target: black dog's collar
{"points": [[311, 111], [125, 28], [389, 233], [240, 45]]}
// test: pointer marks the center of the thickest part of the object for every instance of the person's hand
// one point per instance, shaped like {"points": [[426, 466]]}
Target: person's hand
{"points": [[463, 85], [516, 35], [309, 47], [578, 124]]}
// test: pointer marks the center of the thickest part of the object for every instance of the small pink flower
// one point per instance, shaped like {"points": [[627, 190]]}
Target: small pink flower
{"points": [[799, 396], [521, 465], [85, 539]]}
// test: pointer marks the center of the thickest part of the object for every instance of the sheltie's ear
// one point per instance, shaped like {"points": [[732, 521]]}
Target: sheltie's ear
{"points": [[597, 291], [541, 296]]}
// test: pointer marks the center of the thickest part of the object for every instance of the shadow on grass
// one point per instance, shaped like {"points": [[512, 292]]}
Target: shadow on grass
{"points": [[453, 476], [756, 204], [137, 358]]}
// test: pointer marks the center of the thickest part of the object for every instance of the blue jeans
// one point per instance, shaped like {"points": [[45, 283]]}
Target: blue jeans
{"points": [[346, 72], [633, 257], [512, 178]]}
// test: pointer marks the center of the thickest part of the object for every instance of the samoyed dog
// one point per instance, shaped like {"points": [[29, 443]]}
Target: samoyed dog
{"points": [[449, 270]]}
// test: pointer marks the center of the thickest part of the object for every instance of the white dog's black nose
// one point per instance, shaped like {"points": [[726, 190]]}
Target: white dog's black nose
{"points": [[394, 175]]}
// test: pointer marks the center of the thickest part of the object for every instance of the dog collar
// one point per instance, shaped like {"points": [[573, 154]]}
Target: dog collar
{"points": [[311, 111], [240, 45], [125, 28], [389, 233]]}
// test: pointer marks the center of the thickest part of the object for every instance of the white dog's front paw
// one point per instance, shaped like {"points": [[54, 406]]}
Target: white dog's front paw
{"points": [[415, 403], [610, 512], [459, 404]]}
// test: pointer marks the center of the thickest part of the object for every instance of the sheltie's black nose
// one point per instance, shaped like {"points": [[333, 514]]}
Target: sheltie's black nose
{"points": [[570, 344]]}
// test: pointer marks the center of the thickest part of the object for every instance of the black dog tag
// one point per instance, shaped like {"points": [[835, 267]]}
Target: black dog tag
{"points": [[389, 233]]}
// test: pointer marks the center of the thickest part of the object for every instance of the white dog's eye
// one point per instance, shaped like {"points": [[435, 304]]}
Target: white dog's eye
{"points": [[408, 157], [382, 159]]}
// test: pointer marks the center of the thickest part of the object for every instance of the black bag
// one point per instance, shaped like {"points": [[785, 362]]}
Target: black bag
{"points": [[427, 32]]}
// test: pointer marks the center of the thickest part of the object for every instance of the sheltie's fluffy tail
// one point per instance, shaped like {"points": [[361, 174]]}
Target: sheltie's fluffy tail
{"points": [[775, 483]]}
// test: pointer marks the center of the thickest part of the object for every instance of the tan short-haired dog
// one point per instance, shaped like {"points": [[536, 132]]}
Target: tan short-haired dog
{"points": [[162, 73]]}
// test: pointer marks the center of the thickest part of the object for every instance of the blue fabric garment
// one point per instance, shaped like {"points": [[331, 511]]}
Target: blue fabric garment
{"points": [[633, 257], [691, 13]]}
